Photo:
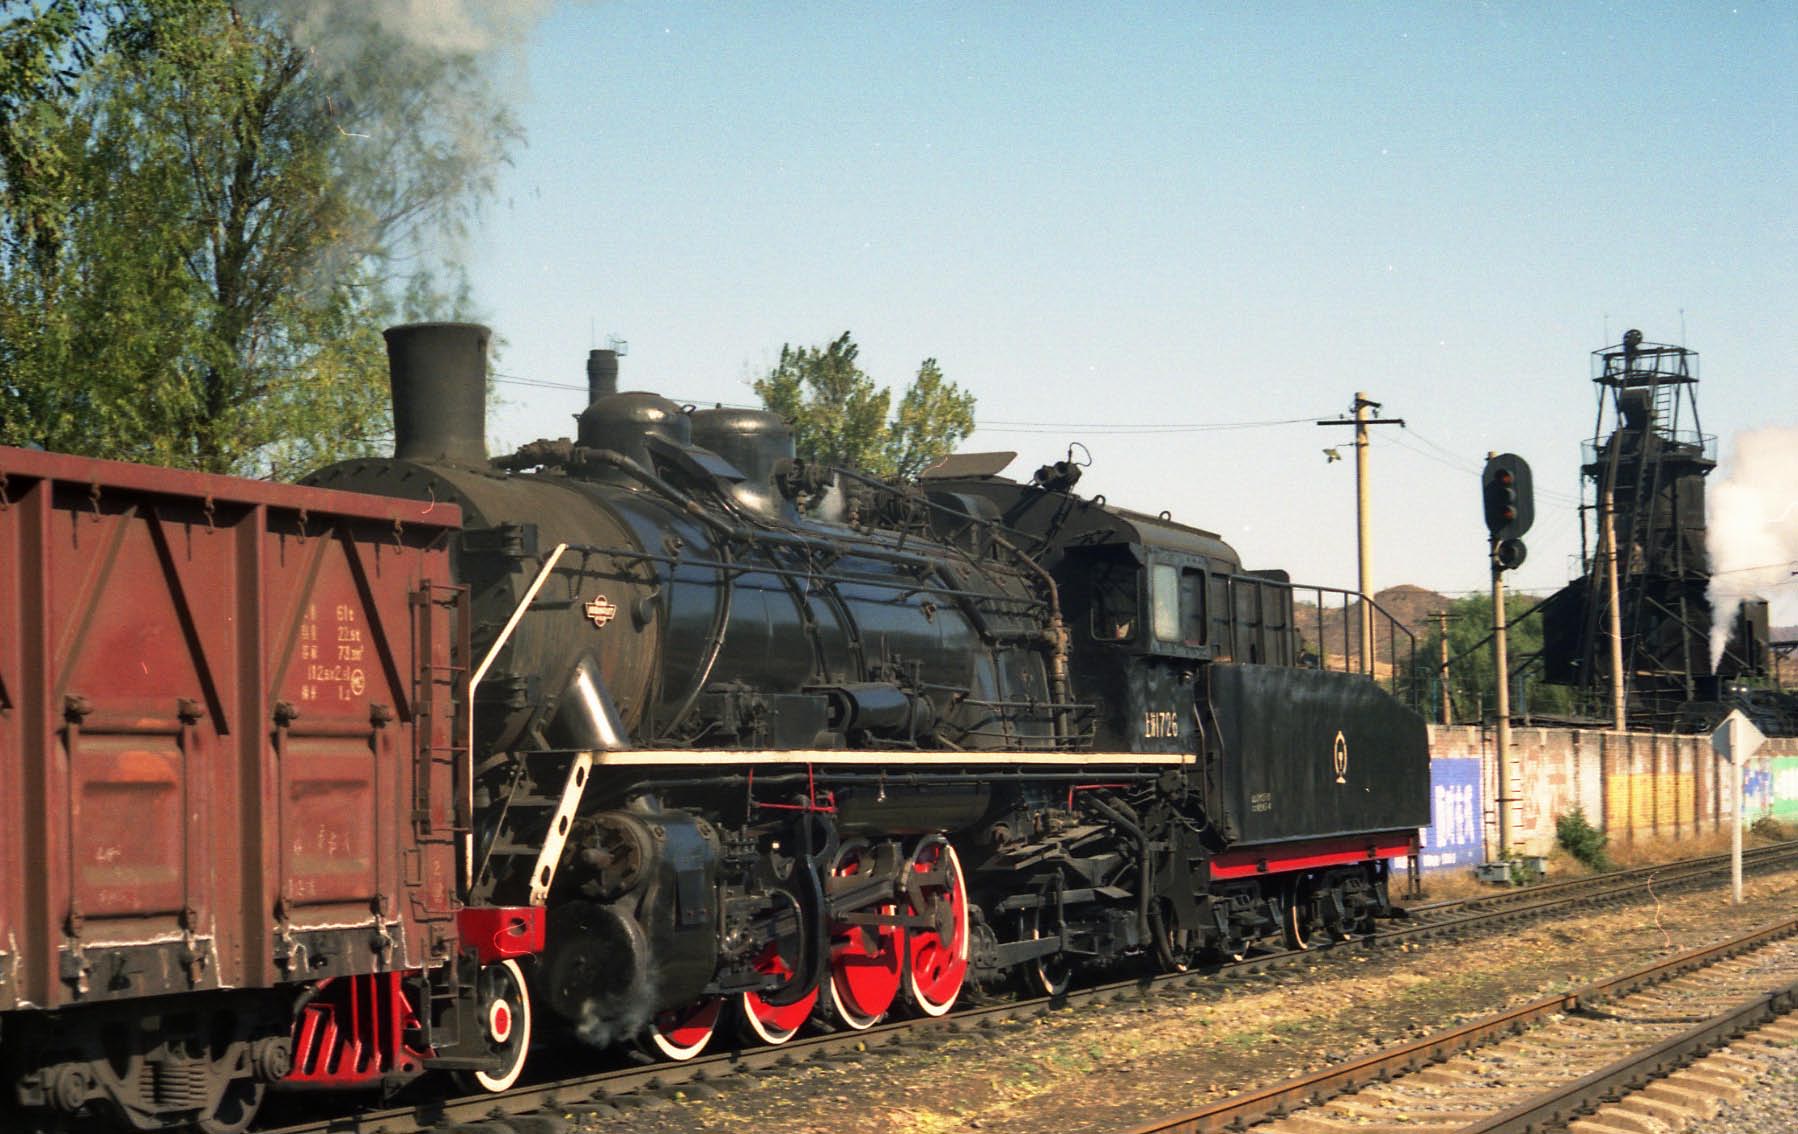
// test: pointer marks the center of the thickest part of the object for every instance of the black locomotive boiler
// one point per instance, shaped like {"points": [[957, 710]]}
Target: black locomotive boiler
{"points": [[778, 744]]}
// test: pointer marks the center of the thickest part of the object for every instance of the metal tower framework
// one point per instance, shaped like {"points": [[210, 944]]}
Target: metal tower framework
{"points": [[1648, 458]]}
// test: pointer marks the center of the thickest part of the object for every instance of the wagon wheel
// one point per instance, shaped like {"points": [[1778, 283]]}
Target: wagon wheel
{"points": [[236, 1109], [865, 960], [777, 1023], [936, 958], [681, 1033], [504, 1005]]}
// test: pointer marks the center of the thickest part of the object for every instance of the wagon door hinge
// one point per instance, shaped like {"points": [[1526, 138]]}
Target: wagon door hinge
{"points": [[193, 948], [382, 941], [75, 967], [290, 952]]}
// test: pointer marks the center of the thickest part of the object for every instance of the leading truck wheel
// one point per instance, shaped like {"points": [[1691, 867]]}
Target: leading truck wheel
{"points": [[504, 1004], [936, 958]]}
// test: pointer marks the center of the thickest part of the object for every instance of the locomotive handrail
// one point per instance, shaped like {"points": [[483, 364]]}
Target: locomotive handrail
{"points": [[1055, 638], [1401, 681], [1023, 603], [698, 512], [720, 627], [480, 671]]}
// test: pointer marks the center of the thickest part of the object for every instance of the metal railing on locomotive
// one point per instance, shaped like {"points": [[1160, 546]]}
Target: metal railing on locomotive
{"points": [[1400, 679], [1337, 622]]}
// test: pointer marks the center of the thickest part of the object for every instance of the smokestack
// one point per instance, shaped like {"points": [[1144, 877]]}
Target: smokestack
{"points": [[439, 374], [602, 374]]}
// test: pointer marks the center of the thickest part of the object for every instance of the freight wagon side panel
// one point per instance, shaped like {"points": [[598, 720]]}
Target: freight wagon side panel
{"points": [[224, 732]]}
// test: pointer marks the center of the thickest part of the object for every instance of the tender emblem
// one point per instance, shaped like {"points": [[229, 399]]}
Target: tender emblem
{"points": [[1339, 756], [601, 610]]}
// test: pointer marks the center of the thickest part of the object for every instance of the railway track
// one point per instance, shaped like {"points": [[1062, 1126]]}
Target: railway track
{"points": [[1672, 872], [542, 1108], [1626, 1041], [1430, 919]]}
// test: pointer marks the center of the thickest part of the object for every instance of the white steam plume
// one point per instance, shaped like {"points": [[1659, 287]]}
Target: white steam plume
{"points": [[455, 27], [1753, 528], [617, 1014]]}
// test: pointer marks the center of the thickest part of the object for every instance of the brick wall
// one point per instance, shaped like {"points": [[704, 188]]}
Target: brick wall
{"points": [[1629, 784]]}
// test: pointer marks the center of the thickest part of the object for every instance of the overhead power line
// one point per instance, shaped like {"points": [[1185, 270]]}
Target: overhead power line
{"points": [[1129, 428], [1442, 455], [547, 384], [994, 425]]}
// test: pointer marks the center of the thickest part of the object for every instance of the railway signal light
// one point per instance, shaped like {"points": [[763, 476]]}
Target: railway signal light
{"points": [[1509, 554], [1510, 501]]}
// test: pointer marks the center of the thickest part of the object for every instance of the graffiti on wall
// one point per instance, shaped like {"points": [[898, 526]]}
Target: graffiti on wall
{"points": [[1779, 798]]}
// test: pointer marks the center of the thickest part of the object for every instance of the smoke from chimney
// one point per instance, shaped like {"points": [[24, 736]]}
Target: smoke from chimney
{"points": [[1753, 530]]}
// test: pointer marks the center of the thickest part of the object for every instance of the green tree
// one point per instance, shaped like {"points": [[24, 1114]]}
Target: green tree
{"points": [[1473, 689], [207, 214], [840, 415]]}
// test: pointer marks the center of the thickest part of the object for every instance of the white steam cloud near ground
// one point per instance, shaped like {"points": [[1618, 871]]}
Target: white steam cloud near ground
{"points": [[1753, 529]]}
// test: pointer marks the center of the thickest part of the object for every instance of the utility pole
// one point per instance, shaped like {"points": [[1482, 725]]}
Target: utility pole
{"points": [[1363, 540], [1609, 521], [1448, 707]]}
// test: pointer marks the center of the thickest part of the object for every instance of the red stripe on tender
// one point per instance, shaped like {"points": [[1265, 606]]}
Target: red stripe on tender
{"points": [[1285, 858]]}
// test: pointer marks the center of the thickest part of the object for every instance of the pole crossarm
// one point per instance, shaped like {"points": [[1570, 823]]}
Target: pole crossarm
{"points": [[1369, 421]]}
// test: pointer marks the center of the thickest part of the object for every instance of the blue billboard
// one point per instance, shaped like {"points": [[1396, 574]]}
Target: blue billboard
{"points": [[1453, 837]]}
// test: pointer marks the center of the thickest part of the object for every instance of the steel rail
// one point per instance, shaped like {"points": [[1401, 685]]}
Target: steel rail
{"points": [[1559, 1105], [593, 1090], [1563, 1104], [1671, 870]]}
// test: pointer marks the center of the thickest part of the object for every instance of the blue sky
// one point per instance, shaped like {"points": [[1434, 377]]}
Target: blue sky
{"points": [[1169, 216]]}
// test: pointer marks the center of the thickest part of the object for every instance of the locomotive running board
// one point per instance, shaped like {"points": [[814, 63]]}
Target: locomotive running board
{"points": [[886, 758]]}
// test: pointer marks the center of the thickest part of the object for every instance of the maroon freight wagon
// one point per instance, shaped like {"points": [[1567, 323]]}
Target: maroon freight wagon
{"points": [[232, 804]]}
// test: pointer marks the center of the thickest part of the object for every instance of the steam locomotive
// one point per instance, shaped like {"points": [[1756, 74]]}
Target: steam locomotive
{"points": [[850, 746], [649, 736]]}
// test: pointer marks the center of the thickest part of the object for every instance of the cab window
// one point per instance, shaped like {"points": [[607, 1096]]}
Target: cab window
{"points": [[1114, 610], [1192, 606], [1164, 601]]}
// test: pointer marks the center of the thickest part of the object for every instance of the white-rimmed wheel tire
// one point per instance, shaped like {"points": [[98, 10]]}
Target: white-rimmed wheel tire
{"points": [[866, 961], [763, 1018], [505, 1016], [682, 1033], [936, 957]]}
